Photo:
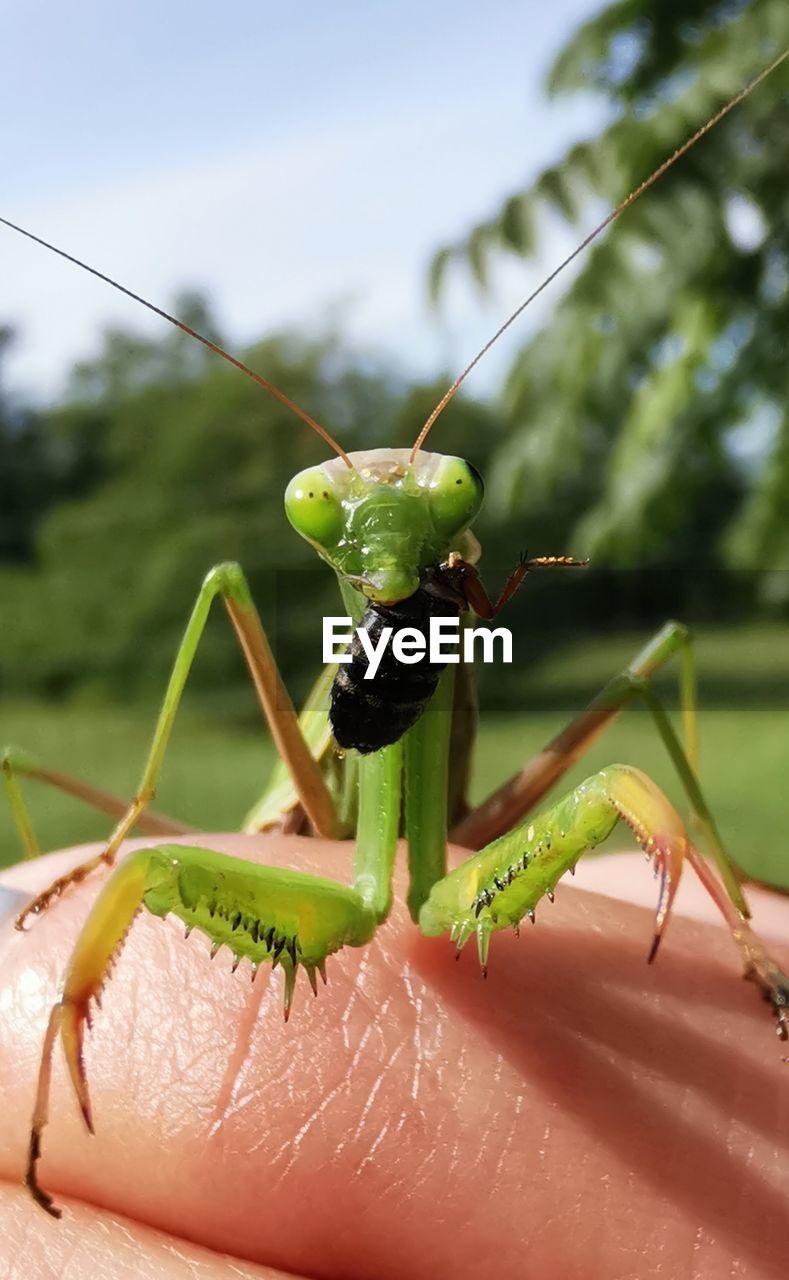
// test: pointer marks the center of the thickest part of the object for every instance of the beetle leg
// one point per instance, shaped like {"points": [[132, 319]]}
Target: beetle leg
{"points": [[475, 593]]}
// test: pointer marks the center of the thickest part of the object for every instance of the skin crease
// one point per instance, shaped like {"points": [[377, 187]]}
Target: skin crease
{"points": [[578, 1115]]}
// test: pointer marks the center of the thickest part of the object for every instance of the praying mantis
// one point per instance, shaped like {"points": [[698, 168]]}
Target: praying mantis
{"points": [[395, 527]]}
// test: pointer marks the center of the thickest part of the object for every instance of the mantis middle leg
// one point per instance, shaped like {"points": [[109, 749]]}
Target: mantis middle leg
{"points": [[16, 764], [228, 582]]}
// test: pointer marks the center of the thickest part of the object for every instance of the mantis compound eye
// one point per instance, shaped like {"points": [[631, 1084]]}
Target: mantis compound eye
{"points": [[456, 493], [313, 508]]}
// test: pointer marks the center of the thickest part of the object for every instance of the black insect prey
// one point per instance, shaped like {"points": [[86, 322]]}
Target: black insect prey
{"points": [[367, 715]]}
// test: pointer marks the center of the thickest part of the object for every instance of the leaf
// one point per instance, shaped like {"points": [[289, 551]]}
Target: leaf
{"points": [[516, 224], [553, 186], [437, 273], [477, 248]]}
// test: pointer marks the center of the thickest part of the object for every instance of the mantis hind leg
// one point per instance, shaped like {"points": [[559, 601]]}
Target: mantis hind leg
{"points": [[497, 887], [228, 582], [263, 914]]}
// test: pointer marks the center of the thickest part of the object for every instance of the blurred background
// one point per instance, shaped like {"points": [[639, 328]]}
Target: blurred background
{"points": [[352, 198]]}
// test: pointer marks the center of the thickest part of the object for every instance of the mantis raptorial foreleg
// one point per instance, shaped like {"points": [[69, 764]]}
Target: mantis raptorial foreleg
{"points": [[502, 883], [518, 796], [262, 914], [16, 764], [227, 581], [505, 881]]}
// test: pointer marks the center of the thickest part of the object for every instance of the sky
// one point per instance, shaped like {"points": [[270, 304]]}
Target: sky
{"points": [[298, 162]]}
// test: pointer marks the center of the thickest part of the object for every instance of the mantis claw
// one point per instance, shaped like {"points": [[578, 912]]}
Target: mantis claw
{"points": [[38, 1193], [263, 913], [73, 1019], [41, 1115], [502, 884], [668, 865], [67, 1020], [774, 987]]}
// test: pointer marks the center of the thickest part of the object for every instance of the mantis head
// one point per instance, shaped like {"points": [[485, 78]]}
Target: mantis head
{"points": [[385, 518]]}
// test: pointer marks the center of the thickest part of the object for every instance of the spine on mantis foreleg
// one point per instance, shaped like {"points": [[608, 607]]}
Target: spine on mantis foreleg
{"points": [[504, 882], [261, 913], [265, 914]]}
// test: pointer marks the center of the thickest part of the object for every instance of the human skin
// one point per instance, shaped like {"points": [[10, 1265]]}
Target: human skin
{"points": [[578, 1115]]}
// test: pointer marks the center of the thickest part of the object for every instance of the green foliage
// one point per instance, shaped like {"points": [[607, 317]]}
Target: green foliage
{"points": [[165, 462], [670, 344], [214, 767], [617, 437], [29, 480]]}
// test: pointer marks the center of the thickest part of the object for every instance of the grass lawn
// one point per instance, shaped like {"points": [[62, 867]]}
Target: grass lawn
{"points": [[213, 772]]}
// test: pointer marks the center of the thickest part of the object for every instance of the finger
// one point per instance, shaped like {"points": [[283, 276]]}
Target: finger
{"points": [[415, 1120], [626, 878], [89, 1245]]}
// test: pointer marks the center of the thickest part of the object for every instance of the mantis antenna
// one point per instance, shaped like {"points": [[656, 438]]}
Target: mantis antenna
{"points": [[611, 217], [193, 333]]}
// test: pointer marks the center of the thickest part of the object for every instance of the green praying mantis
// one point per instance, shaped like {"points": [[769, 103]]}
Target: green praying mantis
{"points": [[383, 759]]}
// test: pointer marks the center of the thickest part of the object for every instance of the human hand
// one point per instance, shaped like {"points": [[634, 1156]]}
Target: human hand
{"points": [[579, 1114]]}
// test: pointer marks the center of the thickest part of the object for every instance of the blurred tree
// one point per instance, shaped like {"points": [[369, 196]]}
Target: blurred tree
{"points": [[28, 472], [649, 416], [169, 462]]}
